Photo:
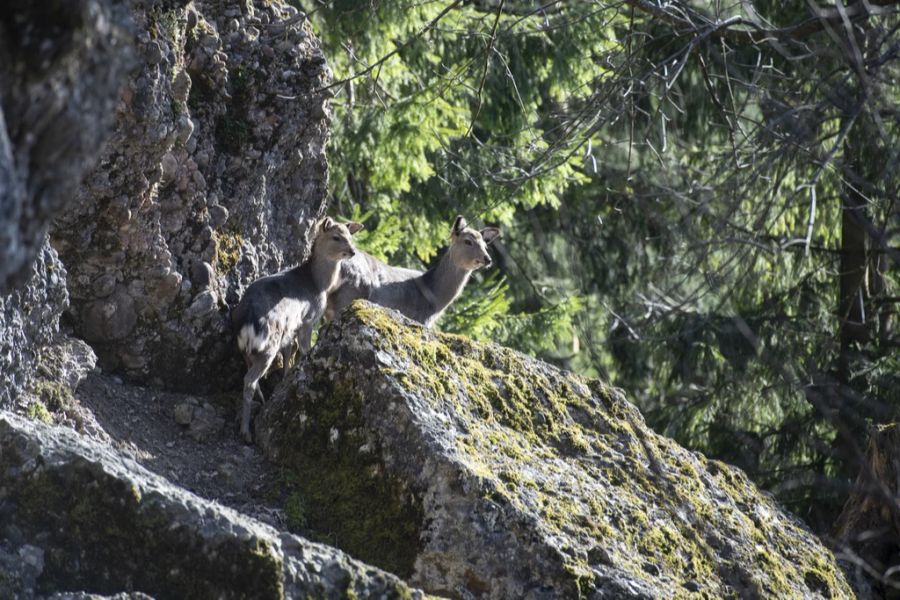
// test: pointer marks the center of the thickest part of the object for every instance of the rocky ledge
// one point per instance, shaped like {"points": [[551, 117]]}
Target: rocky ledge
{"points": [[474, 471], [78, 517]]}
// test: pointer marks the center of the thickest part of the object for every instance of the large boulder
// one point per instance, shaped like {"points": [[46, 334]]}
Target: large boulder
{"points": [[214, 175], [78, 517], [39, 364], [471, 469]]}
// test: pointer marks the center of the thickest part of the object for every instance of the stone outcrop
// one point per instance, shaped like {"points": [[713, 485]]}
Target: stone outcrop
{"points": [[78, 517], [214, 175], [62, 67], [179, 146], [472, 469], [29, 324]]}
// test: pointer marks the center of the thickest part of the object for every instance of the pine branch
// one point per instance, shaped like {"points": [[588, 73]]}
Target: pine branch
{"points": [[428, 27]]}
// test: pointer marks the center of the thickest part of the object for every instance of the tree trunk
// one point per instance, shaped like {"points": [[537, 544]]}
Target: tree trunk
{"points": [[854, 261], [868, 527]]}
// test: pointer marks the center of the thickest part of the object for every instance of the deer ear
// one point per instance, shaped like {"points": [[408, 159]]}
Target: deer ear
{"points": [[353, 227], [327, 224], [489, 234], [459, 224]]}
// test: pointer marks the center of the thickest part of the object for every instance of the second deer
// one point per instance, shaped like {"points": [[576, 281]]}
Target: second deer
{"points": [[420, 296]]}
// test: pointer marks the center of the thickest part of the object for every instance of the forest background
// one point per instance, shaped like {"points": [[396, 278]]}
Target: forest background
{"points": [[699, 202]]}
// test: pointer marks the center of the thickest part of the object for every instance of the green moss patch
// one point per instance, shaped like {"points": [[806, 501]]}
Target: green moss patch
{"points": [[38, 411], [56, 396], [228, 249], [347, 499], [52, 398]]}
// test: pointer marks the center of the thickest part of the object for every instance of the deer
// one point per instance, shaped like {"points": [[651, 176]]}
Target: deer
{"points": [[420, 296], [277, 310]]}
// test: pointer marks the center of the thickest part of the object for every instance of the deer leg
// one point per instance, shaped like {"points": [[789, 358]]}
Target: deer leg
{"points": [[305, 338], [287, 358], [331, 306], [259, 366], [249, 362]]}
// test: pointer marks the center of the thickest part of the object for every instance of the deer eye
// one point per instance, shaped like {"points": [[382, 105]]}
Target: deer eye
{"points": [[337, 238], [468, 242]]}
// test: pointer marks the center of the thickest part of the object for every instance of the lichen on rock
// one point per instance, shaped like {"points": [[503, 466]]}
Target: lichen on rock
{"points": [[506, 477]]}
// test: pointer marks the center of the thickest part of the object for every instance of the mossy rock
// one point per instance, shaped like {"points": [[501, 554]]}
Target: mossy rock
{"points": [[104, 525], [228, 249], [472, 469], [54, 396]]}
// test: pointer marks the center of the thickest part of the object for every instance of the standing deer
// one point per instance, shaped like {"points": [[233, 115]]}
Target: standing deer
{"points": [[278, 309], [422, 297]]}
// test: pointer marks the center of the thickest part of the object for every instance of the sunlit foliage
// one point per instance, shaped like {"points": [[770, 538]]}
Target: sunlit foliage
{"points": [[673, 188]]}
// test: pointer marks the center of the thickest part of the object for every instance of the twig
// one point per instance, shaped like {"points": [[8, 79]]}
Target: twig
{"points": [[756, 33], [484, 70], [428, 27]]}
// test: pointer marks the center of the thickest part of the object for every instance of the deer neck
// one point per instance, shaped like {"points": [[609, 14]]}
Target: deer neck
{"points": [[325, 272], [444, 283]]}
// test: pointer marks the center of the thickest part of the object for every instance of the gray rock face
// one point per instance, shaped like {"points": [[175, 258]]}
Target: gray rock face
{"points": [[213, 176], [476, 471], [78, 519], [61, 69], [20, 568]]}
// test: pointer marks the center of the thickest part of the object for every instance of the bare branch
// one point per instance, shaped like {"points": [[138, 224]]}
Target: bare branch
{"points": [[692, 20], [487, 58]]}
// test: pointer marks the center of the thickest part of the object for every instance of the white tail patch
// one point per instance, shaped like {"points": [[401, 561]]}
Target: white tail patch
{"points": [[249, 341]]}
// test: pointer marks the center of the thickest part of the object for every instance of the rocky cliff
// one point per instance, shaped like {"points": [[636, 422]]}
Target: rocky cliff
{"points": [[463, 469], [180, 148], [213, 176], [61, 71], [471, 469]]}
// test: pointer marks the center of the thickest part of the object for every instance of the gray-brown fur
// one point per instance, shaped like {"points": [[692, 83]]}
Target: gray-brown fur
{"points": [[360, 275], [278, 310]]}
